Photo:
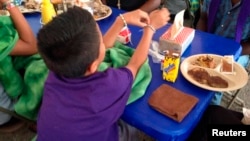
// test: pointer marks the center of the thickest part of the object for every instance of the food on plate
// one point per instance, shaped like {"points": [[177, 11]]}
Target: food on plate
{"points": [[96, 7], [26, 6], [217, 82], [203, 77], [199, 74], [206, 61], [227, 64], [31, 4], [100, 10]]}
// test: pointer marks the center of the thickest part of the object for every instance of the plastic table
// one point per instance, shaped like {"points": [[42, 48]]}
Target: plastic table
{"points": [[138, 113]]}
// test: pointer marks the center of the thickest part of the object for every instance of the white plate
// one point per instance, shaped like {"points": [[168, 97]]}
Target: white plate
{"points": [[235, 81], [21, 8], [26, 10], [108, 14], [4, 13]]}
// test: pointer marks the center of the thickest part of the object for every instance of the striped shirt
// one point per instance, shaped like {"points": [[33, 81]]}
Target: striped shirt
{"points": [[226, 19]]}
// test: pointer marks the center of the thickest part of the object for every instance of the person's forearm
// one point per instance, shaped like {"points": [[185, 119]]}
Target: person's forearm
{"points": [[150, 5], [110, 37], [202, 23], [201, 26], [141, 52], [245, 47], [22, 26], [26, 44]]}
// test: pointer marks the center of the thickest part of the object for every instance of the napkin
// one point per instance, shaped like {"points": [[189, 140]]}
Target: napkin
{"points": [[246, 119], [177, 38], [177, 25], [172, 102], [154, 52]]}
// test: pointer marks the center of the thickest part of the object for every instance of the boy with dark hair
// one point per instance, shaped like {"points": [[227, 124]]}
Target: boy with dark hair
{"points": [[80, 103]]}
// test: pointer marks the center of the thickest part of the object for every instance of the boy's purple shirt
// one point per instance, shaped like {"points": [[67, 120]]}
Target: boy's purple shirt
{"points": [[85, 108]]}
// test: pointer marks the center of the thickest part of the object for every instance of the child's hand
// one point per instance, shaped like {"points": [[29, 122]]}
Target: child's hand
{"points": [[159, 18], [137, 17]]}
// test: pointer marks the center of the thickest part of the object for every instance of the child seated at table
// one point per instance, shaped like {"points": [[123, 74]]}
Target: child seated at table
{"points": [[232, 24], [78, 101], [16, 39]]}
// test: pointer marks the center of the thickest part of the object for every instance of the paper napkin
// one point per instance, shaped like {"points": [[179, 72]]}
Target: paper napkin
{"points": [[177, 37], [172, 102], [177, 25]]}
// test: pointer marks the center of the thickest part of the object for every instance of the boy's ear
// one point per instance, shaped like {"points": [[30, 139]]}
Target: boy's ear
{"points": [[93, 67]]}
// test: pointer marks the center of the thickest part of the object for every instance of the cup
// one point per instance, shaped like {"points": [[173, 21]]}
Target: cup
{"points": [[47, 11]]}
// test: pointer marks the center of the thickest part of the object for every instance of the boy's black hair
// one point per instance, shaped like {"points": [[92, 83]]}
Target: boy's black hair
{"points": [[70, 42]]}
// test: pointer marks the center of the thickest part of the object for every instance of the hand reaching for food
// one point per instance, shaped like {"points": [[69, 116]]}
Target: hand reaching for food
{"points": [[159, 17], [137, 18]]}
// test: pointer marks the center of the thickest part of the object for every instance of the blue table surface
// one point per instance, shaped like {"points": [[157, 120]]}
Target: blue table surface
{"points": [[138, 113]]}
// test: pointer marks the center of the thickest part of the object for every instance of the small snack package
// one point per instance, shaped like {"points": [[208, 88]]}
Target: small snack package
{"points": [[177, 38], [227, 64], [170, 66], [124, 36]]}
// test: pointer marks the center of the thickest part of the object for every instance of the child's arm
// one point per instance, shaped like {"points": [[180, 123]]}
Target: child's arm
{"points": [[158, 18], [245, 47], [26, 45], [202, 23], [137, 17], [150, 5]]}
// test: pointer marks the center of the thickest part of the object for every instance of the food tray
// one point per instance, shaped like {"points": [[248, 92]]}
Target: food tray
{"points": [[236, 80]]}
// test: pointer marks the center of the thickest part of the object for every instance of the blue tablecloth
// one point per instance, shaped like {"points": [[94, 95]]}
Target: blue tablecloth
{"points": [[139, 114]]}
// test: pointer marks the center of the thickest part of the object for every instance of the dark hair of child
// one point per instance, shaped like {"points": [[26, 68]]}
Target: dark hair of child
{"points": [[69, 43]]}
